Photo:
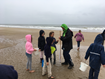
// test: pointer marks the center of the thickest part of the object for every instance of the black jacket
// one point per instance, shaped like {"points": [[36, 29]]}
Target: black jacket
{"points": [[41, 41], [55, 42], [67, 41], [47, 49]]}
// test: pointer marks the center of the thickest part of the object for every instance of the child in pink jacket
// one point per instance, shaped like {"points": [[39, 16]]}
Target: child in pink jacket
{"points": [[79, 37], [29, 51]]}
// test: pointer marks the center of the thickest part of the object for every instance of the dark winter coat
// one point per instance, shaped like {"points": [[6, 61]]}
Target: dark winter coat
{"points": [[67, 41], [8, 72], [47, 49], [96, 53], [103, 35], [55, 42], [41, 41]]}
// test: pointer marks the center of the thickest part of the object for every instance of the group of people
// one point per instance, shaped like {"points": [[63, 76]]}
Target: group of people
{"points": [[95, 51]]}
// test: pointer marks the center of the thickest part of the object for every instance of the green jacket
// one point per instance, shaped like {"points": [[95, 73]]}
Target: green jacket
{"points": [[65, 29]]}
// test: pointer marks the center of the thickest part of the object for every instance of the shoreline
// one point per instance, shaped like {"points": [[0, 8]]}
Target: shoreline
{"points": [[84, 29], [18, 33]]}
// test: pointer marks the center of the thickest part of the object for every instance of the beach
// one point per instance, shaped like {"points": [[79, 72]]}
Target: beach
{"points": [[12, 52]]}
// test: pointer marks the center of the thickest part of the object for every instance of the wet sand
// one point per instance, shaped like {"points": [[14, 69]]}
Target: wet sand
{"points": [[12, 52]]}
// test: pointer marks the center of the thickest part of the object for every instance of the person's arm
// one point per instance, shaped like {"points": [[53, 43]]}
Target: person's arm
{"points": [[55, 41], [102, 56], [67, 37], [30, 48], [47, 58], [82, 37], [39, 44], [88, 52], [75, 36]]}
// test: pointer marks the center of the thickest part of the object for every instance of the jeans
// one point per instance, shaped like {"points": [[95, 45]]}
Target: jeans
{"points": [[29, 62], [93, 73], [67, 57], [54, 54], [78, 43]]}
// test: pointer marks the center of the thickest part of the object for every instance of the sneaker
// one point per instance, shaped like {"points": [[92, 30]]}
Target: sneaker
{"points": [[64, 63]]}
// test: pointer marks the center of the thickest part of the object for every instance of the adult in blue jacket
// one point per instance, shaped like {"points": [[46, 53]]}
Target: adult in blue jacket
{"points": [[8, 72], [97, 57]]}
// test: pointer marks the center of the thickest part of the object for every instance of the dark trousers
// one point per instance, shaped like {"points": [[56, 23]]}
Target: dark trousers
{"points": [[67, 57], [54, 54], [93, 73], [78, 43]]}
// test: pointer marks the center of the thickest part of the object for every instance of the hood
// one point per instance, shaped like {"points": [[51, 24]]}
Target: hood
{"points": [[103, 33], [41, 32], [28, 38], [49, 40], [64, 26], [98, 39]]}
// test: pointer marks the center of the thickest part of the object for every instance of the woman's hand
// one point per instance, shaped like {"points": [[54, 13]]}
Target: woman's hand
{"points": [[47, 63], [60, 37]]}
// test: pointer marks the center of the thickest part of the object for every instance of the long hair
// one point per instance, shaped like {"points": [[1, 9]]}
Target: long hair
{"points": [[51, 33]]}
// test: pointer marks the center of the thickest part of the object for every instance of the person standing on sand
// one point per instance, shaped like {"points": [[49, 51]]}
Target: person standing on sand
{"points": [[29, 51], [51, 34], [47, 56], [41, 44], [79, 37], [8, 72], [66, 39], [97, 56]]}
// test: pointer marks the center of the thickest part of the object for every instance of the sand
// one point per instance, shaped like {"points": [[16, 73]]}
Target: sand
{"points": [[12, 52]]}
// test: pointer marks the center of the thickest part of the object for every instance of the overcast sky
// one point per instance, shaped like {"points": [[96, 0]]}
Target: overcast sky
{"points": [[74, 12]]}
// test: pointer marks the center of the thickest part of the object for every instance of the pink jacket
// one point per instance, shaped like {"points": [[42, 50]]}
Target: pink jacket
{"points": [[79, 37], [28, 46]]}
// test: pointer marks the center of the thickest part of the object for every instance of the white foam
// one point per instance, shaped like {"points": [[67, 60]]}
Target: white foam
{"points": [[84, 29]]}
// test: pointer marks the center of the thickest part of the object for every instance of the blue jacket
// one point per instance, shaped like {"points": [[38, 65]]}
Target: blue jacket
{"points": [[96, 53], [47, 49], [8, 72], [103, 35], [55, 42]]}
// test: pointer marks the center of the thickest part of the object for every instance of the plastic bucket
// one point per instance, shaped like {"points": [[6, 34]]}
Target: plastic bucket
{"points": [[83, 66], [37, 52]]}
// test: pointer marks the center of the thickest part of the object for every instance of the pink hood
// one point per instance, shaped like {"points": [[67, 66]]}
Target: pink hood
{"points": [[79, 37], [28, 46]]}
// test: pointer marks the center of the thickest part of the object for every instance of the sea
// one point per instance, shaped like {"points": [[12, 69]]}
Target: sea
{"points": [[84, 28]]}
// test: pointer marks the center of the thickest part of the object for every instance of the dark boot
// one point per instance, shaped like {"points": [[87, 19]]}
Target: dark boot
{"points": [[64, 63], [70, 67], [72, 64]]}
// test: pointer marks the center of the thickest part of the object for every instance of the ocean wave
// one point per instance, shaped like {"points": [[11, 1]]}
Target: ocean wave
{"points": [[73, 28]]}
